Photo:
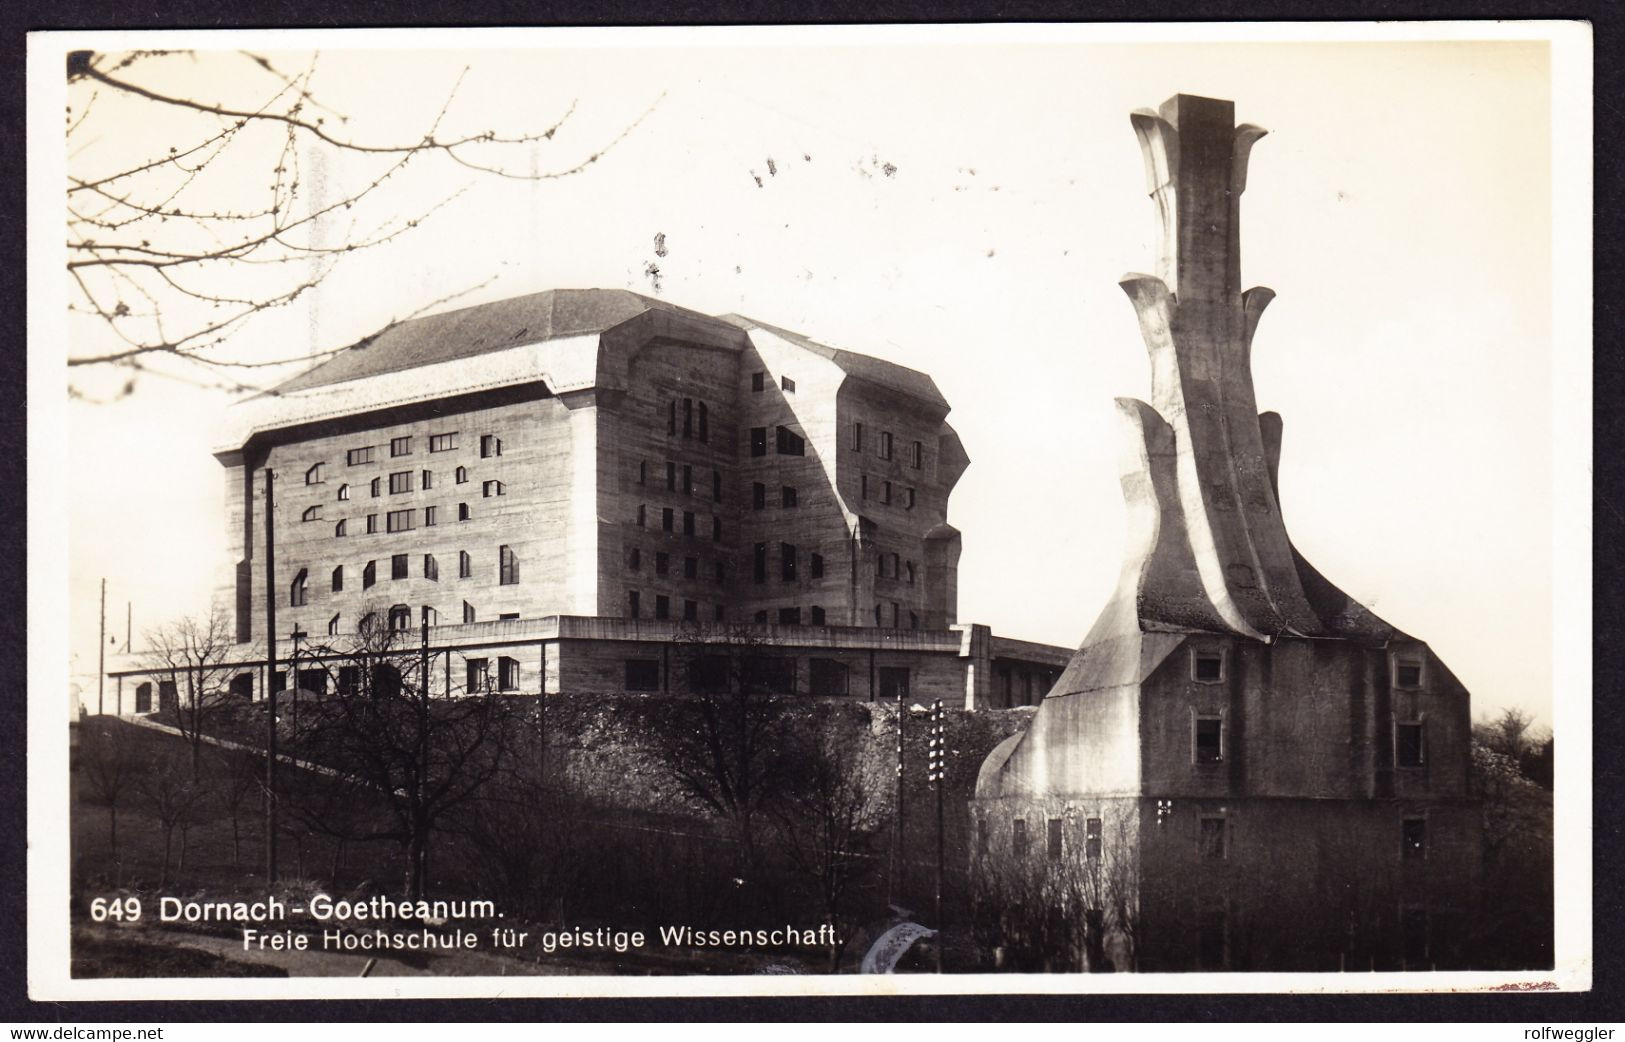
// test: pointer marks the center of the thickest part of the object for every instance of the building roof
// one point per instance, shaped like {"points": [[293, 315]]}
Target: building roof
{"points": [[552, 314], [481, 329]]}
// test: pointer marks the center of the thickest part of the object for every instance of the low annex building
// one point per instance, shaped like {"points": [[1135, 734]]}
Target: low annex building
{"points": [[1241, 767], [559, 485]]}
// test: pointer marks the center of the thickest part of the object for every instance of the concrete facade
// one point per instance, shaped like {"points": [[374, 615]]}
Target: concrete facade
{"points": [[595, 464], [1289, 772]]}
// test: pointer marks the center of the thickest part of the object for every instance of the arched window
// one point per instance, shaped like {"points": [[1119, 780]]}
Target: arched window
{"points": [[462, 475], [299, 591], [313, 476], [312, 513], [400, 617], [344, 491], [340, 529]]}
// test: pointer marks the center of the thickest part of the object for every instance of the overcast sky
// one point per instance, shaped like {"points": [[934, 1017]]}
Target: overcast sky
{"points": [[967, 209]]}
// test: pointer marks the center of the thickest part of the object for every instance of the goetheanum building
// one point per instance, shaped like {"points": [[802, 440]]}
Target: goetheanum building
{"points": [[559, 484], [1241, 767]]}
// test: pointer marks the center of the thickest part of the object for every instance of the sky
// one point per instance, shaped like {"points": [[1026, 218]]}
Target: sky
{"points": [[966, 209]]}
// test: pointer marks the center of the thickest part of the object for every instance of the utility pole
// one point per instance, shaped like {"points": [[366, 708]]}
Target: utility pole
{"points": [[936, 772], [423, 755], [101, 654], [270, 680]]}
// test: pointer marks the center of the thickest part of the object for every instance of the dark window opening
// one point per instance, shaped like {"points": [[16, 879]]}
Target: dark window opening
{"points": [[465, 564], [1018, 838], [688, 522], [508, 566], [1409, 750], [632, 599], [691, 567], [1091, 839], [400, 446], [758, 441], [397, 566], [691, 611], [716, 528], [885, 444], [468, 612], [490, 445], [642, 674], [716, 486], [479, 675], [662, 606], [667, 519], [817, 615], [671, 477], [815, 566], [787, 384], [1209, 739], [338, 579], [787, 496], [1408, 675], [400, 481], [789, 616], [507, 674], [758, 381], [759, 572], [827, 676], [790, 443], [1053, 838], [1209, 666], [662, 562], [369, 575], [787, 562]]}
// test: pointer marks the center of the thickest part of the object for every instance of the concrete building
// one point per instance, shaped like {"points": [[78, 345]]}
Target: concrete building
{"points": [[564, 482], [1241, 768]]}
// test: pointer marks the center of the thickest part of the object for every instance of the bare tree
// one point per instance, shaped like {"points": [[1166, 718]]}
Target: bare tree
{"points": [[236, 779], [726, 742], [830, 822], [428, 757], [201, 194], [110, 768], [192, 653], [173, 794]]}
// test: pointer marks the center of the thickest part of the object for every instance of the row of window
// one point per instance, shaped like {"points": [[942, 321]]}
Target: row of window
{"points": [[662, 565], [687, 483], [490, 445], [786, 442], [696, 419], [1210, 741], [758, 383], [1208, 666], [882, 491], [916, 452], [400, 568], [826, 676], [662, 608], [398, 520], [399, 619], [401, 481], [789, 555], [668, 522]]}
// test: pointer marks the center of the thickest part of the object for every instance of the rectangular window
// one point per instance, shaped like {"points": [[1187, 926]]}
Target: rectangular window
{"points": [[857, 437], [398, 566], [369, 575], [758, 381], [908, 499], [758, 441], [372, 523], [691, 567], [666, 519], [478, 674], [758, 495], [688, 417], [662, 606], [643, 472], [787, 384], [816, 566], [1018, 838], [493, 488], [468, 612], [863, 486], [787, 562], [642, 674], [642, 515], [720, 573], [1413, 839], [885, 444], [428, 480], [431, 515], [1053, 838], [688, 522], [917, 455], [688, 480], [789, 616], [671, 476], [507, 674], [632, 599], [1407, 675], [508, 566], [827, 676], [662, 562], [442, 442], [465, 564], [375, 487], [885, 492], [356, 457], [400, 520], [716, 528], [759, 571], [400, 446], [1091, 839], [790, 443], [338, 579], [490, 445], [1409, 744], [787, 496], [705, 423], [1208, 739], [463, 512], [1210, 841], [716, 486], [634, 559], [691, 611], [1207, 667]]}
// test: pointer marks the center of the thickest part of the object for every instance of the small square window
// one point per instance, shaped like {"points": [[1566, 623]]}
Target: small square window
{"points": [[1207, 667], [787, 383], [1408, 675]]}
